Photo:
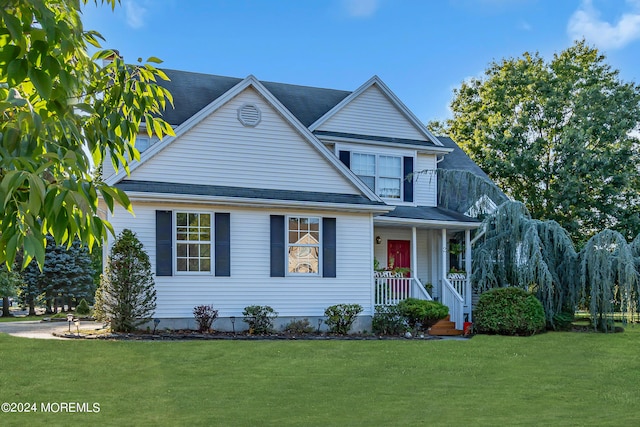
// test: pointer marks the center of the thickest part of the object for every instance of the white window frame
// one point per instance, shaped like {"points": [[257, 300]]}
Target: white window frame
{"points": [[377, 173], [176, 242], [289, 245]]}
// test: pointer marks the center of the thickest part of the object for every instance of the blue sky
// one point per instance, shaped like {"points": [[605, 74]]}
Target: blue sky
{"points": [[422, 49]]}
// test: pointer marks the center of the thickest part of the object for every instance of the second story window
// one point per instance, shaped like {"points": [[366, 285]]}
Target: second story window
{"points": [[389, 177], [364, 165], [383, 174]]}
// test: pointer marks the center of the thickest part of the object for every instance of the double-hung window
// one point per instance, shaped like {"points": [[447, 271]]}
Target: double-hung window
{"points": [[382, 174], [364, 165], [389, 177], [303, 245], [193, 242]]}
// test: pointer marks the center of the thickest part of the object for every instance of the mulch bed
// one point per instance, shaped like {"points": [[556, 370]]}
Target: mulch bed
{"points": [[190, 335]]}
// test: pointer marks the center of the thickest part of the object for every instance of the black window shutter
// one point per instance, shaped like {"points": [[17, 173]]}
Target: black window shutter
{"points": [[408, 180], [328, 247], [164, 243], [222, 230], [345, 157], [277, 246]]}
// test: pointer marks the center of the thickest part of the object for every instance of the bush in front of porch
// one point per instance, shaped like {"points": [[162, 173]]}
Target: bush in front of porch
{"points": [[422, 314]]}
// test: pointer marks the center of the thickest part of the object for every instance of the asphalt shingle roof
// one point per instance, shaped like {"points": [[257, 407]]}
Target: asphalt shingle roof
{"points": [[243, 192], [193, 91], [428, 213]]}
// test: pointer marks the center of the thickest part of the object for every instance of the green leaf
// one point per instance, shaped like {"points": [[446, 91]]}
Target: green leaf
{"points": [[42, 82], [154, 60], [17, 71], [8, 53], [14, 25]]}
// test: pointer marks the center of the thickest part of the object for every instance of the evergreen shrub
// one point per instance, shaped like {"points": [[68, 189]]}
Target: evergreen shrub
{"points": [[509, 311], [340, 317], [422, 314], [126, 297], [83, 308], [259, 318], [387, 320]]}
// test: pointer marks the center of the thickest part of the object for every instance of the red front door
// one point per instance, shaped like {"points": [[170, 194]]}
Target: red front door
{"points": [[399, 254]]}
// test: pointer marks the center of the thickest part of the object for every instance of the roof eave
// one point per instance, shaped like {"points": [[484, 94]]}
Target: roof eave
{"points": [[247, 202]]}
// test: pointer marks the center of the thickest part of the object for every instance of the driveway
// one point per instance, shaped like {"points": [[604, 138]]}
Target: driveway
{"points": [[34, 329]]}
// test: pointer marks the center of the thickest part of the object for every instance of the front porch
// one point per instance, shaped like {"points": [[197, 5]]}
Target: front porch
{"points": [[424, 261]]}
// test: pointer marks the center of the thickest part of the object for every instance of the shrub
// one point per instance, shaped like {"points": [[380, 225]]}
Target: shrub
{"points": [[509, 311], [126, 297], [205, 315], [83, 308], [340, 317], [387, 320], [422, 314], [563, 321], [259, 318], [299, 327]]}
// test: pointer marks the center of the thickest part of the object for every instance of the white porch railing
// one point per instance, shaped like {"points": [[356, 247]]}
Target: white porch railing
{"points": [[391, 288], [459, 283], [454, 300]]}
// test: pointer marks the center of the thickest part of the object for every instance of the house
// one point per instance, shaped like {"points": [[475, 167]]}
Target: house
{"points": [[284, 195]]}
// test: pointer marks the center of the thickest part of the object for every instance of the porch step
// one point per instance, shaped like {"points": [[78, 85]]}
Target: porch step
{"points": [[445, 327]]}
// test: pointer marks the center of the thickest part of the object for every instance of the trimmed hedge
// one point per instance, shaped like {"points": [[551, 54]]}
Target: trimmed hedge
{"points": [[509, 311]]}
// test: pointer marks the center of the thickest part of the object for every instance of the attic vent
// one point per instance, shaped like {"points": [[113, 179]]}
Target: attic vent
{"points": [[249, 115]]}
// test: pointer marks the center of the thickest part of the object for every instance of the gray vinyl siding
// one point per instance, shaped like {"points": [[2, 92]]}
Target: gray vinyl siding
{"points": [[371, 113], [425, 184], [221, 151], [250, 282]]}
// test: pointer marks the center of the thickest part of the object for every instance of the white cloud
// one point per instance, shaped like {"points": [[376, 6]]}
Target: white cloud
{"points": [[135, 14], [585, 22], [361, 8]]}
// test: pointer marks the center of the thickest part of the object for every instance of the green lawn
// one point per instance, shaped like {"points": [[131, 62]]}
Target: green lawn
{"points": [[550, 379]]}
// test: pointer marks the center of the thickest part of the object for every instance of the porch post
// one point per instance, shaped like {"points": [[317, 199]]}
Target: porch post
{"points": [[444, 253], [414, 257], [467, 268], [414, 252]]}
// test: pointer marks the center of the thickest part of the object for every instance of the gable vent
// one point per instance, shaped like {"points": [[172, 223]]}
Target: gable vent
{"points": [[249, 115]]}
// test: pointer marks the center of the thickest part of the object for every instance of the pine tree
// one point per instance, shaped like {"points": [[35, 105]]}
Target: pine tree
{"points": [[66, 275], [126, 297]]}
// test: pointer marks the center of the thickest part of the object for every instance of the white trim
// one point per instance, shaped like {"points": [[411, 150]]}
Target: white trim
{"points": [[249, 81], [211, 271], [434, 223], [395, 145], [257, 203], [375, 80], [287, 273]]}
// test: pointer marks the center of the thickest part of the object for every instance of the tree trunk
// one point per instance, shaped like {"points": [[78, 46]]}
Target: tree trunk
{"points": [[5, 307], [32, 307]]}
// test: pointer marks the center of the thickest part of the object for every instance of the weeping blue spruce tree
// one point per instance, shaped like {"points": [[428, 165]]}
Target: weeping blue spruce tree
{"points": [[514, 249]]}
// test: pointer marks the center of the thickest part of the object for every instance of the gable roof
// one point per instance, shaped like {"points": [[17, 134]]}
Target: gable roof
{"points": [[395, 101], [194, 91], [221, 100]]}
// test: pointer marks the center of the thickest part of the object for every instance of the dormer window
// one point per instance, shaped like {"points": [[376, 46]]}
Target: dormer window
{"points": [[383, 174]]}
